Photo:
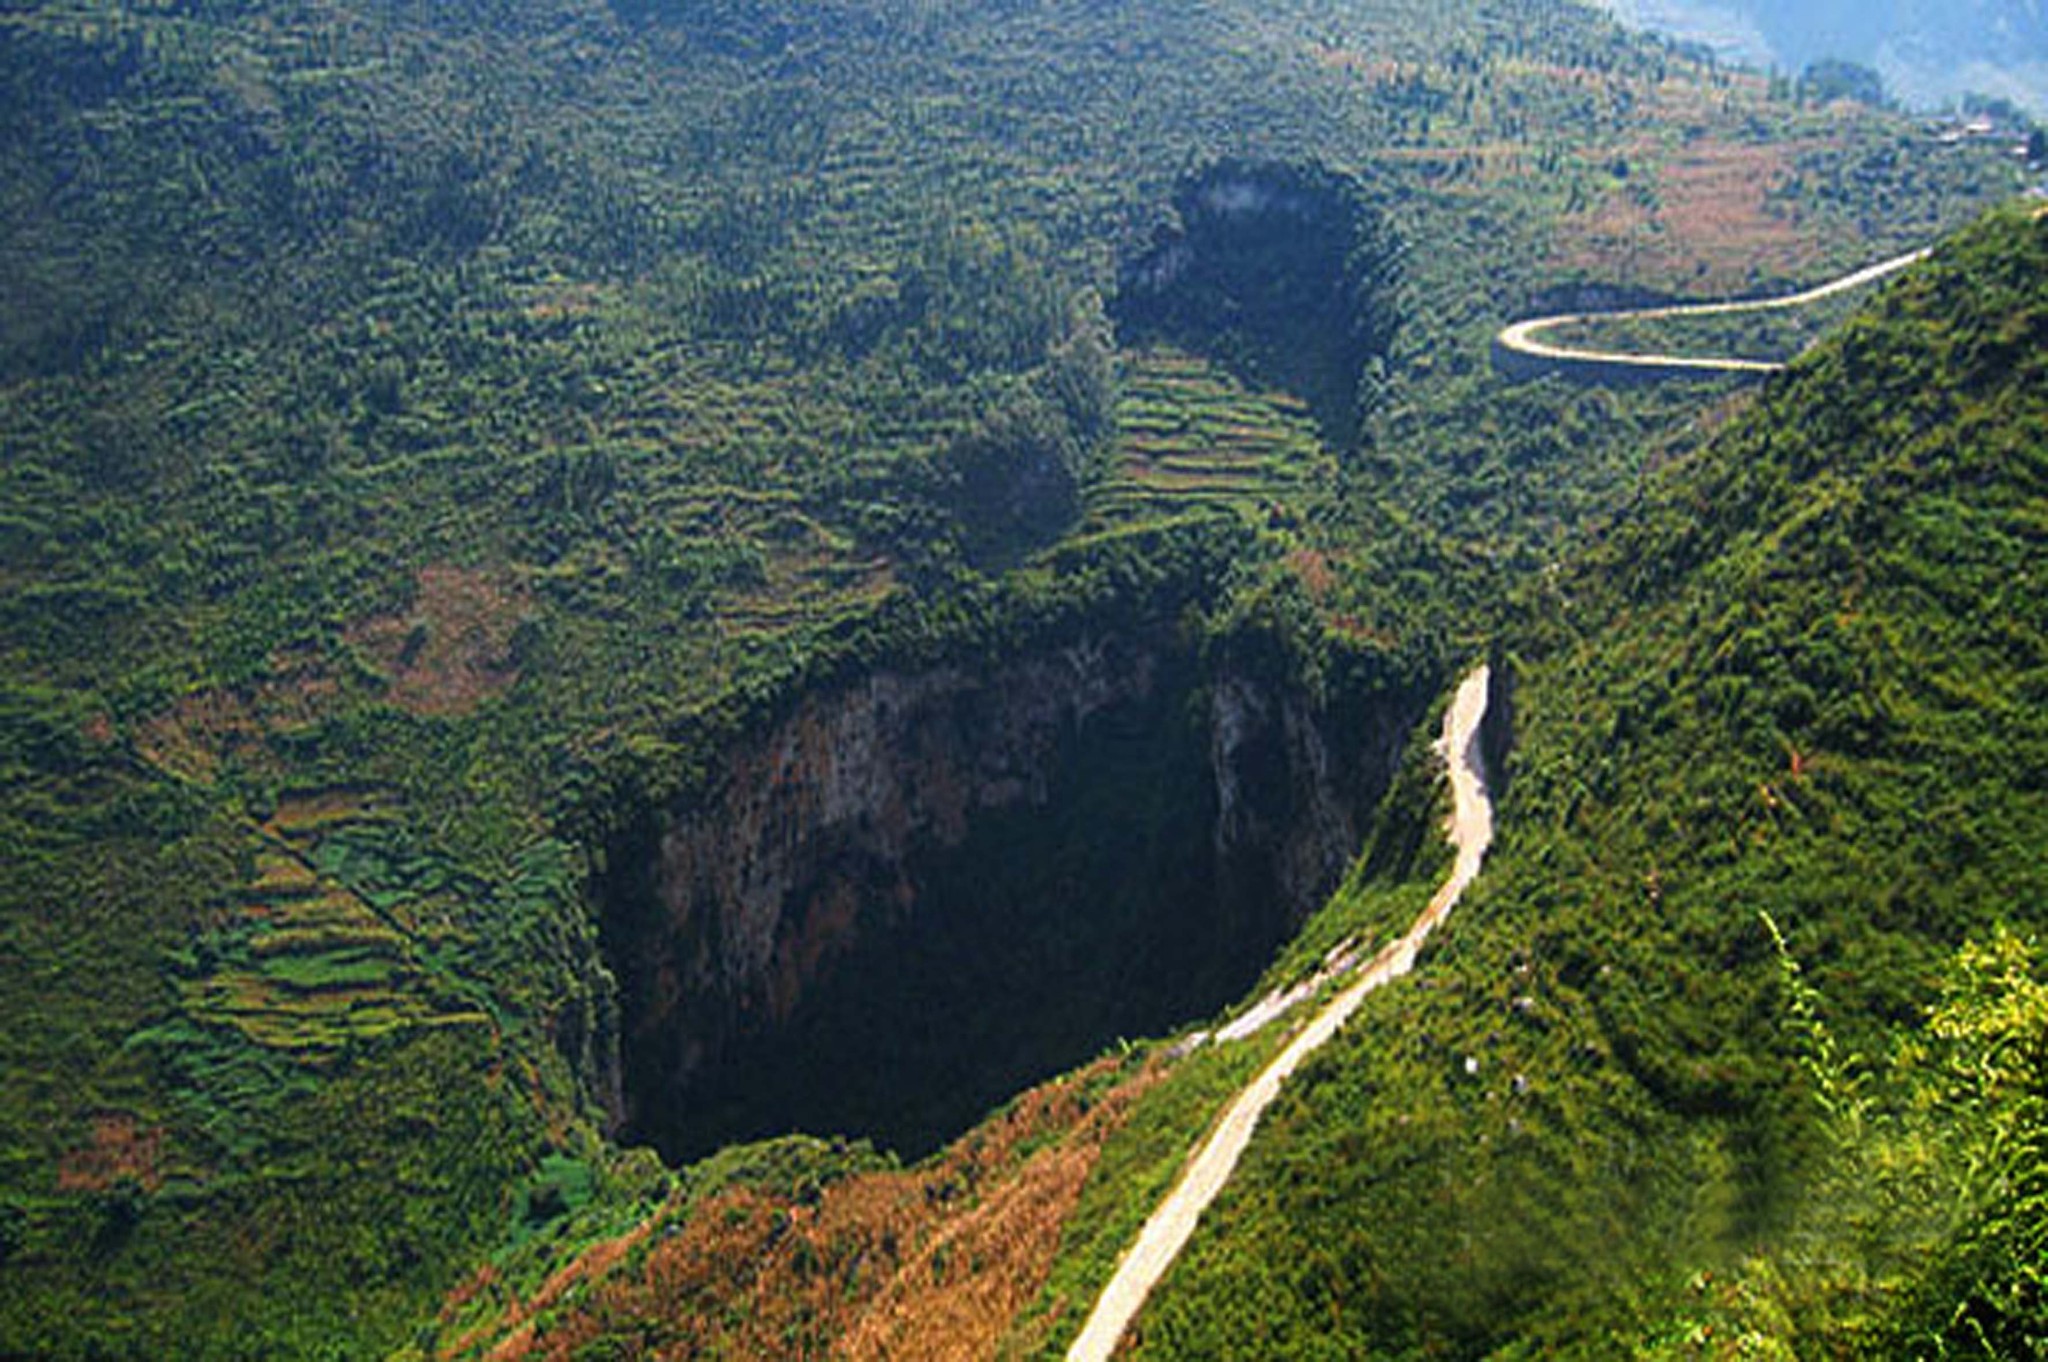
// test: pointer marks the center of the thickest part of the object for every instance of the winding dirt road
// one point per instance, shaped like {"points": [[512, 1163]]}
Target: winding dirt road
{"points": [[1167, 1231], [1521, 338]]}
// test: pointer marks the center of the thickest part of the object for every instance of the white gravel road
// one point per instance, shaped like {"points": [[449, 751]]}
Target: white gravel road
{"points": [[1164, 1235]]}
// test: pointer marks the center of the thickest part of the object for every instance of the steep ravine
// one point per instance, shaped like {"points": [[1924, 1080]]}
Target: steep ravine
{"points": [[1463, 748], [920, 891]]}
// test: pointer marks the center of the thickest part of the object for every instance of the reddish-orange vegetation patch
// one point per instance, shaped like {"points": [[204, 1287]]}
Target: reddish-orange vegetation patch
{"points": [[565, 300], [1376, 70], [956, 1297], [931, 1262], [1312, 568], [590, 1265], [209, 726], [122, 1149], [450, 651], [468, 1289], [1713, 229]]}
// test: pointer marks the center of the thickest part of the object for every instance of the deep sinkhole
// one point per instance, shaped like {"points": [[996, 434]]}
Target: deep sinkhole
{"points": [[912, 900]]}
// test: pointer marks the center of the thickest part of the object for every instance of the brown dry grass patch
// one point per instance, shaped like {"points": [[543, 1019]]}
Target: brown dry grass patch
{"points": [[1714, 228], [121, 1149], [1377, 70], [925, 1263], [1717, 207], [450, 652], [1312, 568], [564, 300], [203, 729]]}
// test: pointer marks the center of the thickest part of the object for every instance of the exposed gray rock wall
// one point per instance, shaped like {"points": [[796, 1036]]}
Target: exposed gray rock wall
{"points": [[812, 840]]}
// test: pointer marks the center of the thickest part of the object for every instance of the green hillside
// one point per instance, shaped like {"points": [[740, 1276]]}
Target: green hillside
{"points": [[1735, 1049], [436, 441]]}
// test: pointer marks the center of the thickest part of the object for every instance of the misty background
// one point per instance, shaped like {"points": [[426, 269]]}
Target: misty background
{"points": [[1930, 52]]}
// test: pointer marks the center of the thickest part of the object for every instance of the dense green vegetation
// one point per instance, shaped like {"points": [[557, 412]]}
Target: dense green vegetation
{"points": [[1711, 1059], [427, 433]]}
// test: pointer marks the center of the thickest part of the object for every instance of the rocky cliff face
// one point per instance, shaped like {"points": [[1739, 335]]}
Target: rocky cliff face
{"points": [[1293, 787], [935, 883]]}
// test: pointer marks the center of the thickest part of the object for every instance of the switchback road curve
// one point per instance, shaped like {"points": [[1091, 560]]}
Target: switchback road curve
{"points": [[1520, 347]]}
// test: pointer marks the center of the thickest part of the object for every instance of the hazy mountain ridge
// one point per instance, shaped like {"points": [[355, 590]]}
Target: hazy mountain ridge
{"points": [[1929, 53]]}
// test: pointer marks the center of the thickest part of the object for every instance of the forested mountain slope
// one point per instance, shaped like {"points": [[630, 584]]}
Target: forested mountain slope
{"points": [[1776, 799], [1735, 1047], [440, 446]]}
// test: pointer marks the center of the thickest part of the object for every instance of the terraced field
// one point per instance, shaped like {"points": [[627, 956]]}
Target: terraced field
{"points": [[298, 962], [1190, 434]]}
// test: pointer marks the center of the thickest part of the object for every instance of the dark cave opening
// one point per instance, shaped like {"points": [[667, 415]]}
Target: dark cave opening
{"points": [[1288, 274], [914, 899]]}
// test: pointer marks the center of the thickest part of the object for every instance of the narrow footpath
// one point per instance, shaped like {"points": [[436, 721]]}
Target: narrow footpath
{"points": [[1168, 1229]]}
